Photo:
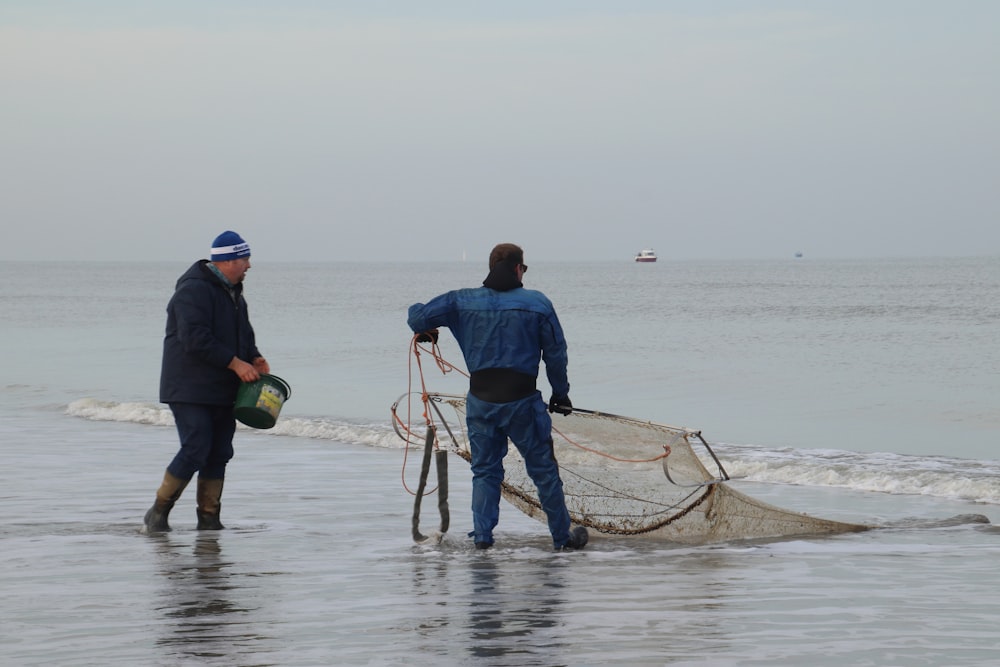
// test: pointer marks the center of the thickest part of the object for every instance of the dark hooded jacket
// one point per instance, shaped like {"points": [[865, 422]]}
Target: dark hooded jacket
{"points": [[207, 325]]}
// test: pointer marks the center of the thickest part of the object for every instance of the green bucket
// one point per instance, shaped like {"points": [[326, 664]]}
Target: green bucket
{"points": [[259, 403]]}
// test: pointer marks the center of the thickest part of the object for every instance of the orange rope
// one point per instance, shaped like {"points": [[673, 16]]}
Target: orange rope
{"points": [[429, 411], [445, 367], [665, 454]]}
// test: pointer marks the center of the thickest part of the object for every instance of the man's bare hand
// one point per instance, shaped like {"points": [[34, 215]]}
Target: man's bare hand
{"points": [[246, 372]]}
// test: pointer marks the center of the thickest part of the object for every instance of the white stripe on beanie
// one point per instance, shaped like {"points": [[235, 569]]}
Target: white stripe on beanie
{"points": [[239, 248]]}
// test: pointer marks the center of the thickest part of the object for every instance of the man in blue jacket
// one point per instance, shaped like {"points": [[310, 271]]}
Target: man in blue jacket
{"points": [[208, 350], [504, 331]]}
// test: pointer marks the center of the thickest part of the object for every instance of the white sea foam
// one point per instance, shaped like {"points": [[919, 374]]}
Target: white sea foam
{"points": [[951, 485], [137, 413], [374, 435], [956, 479]]}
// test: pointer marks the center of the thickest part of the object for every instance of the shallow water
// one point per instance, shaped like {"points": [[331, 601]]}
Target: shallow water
{"points": [[317, 566], [857, 391]]}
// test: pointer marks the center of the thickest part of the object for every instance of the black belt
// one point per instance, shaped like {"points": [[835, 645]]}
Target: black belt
{"points": [[500, 385]]}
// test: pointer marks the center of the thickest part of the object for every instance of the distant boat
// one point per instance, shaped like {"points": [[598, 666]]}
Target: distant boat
{"points": [[646, 255], [798, 254]]}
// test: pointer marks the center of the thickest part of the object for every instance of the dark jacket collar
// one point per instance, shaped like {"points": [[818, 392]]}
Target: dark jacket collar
{"points": [[503, 277]]}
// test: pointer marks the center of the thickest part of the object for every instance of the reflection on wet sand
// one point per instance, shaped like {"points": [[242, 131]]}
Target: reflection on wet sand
{"points": [[197, 595], [508, 612], [515, 612]]}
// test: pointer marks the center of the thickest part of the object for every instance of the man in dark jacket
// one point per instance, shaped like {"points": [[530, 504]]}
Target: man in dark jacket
{"points": [[208, 350], [505, 331]]}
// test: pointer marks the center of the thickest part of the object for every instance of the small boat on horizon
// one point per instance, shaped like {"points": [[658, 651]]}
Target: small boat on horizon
{"points": [[646, 255]]}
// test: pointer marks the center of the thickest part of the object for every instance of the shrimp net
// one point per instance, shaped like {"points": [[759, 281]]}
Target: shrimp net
{"points": [[624, 476]]}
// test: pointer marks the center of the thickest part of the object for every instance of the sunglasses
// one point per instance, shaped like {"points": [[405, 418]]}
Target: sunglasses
{"points": [[524, 268]]}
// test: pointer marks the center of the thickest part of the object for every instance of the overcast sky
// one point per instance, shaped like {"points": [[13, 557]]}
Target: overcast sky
{"points": [[421, 130]]}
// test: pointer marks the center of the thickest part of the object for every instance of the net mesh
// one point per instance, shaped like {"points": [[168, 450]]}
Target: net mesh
{"points": [[623, 476]]}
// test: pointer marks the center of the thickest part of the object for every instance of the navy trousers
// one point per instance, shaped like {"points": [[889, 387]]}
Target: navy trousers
{"points": [[206, 435], [528, 425]]}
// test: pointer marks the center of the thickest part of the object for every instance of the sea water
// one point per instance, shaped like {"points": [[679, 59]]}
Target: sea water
{"points": [[857, 390]]}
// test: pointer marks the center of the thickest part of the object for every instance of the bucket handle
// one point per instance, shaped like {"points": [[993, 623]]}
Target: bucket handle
{"points": [[288, 389]]}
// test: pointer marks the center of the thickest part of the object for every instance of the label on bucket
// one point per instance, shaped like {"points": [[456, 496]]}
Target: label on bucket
{"points": [[269, 400]]}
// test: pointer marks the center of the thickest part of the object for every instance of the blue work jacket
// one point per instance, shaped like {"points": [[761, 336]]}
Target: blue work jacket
{"points": [[512, 329]]}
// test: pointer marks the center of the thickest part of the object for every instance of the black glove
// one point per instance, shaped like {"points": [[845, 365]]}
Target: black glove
{"points": [[430, 336], [560, 404]]}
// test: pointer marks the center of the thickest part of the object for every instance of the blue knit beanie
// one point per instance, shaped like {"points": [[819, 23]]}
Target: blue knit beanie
{"points": [[229, 245]]}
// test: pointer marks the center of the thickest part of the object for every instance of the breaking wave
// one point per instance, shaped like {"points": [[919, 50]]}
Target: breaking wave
{"points": [[936, 476], [880, 472], [373, 435]]}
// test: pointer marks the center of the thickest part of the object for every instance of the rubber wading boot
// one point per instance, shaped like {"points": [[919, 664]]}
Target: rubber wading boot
{"points": [[170, 490], [209, 504], [578, 538]]}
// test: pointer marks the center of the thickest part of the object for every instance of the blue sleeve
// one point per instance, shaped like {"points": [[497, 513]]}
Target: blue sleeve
{"points": [[555, 355], [431, 315]]}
